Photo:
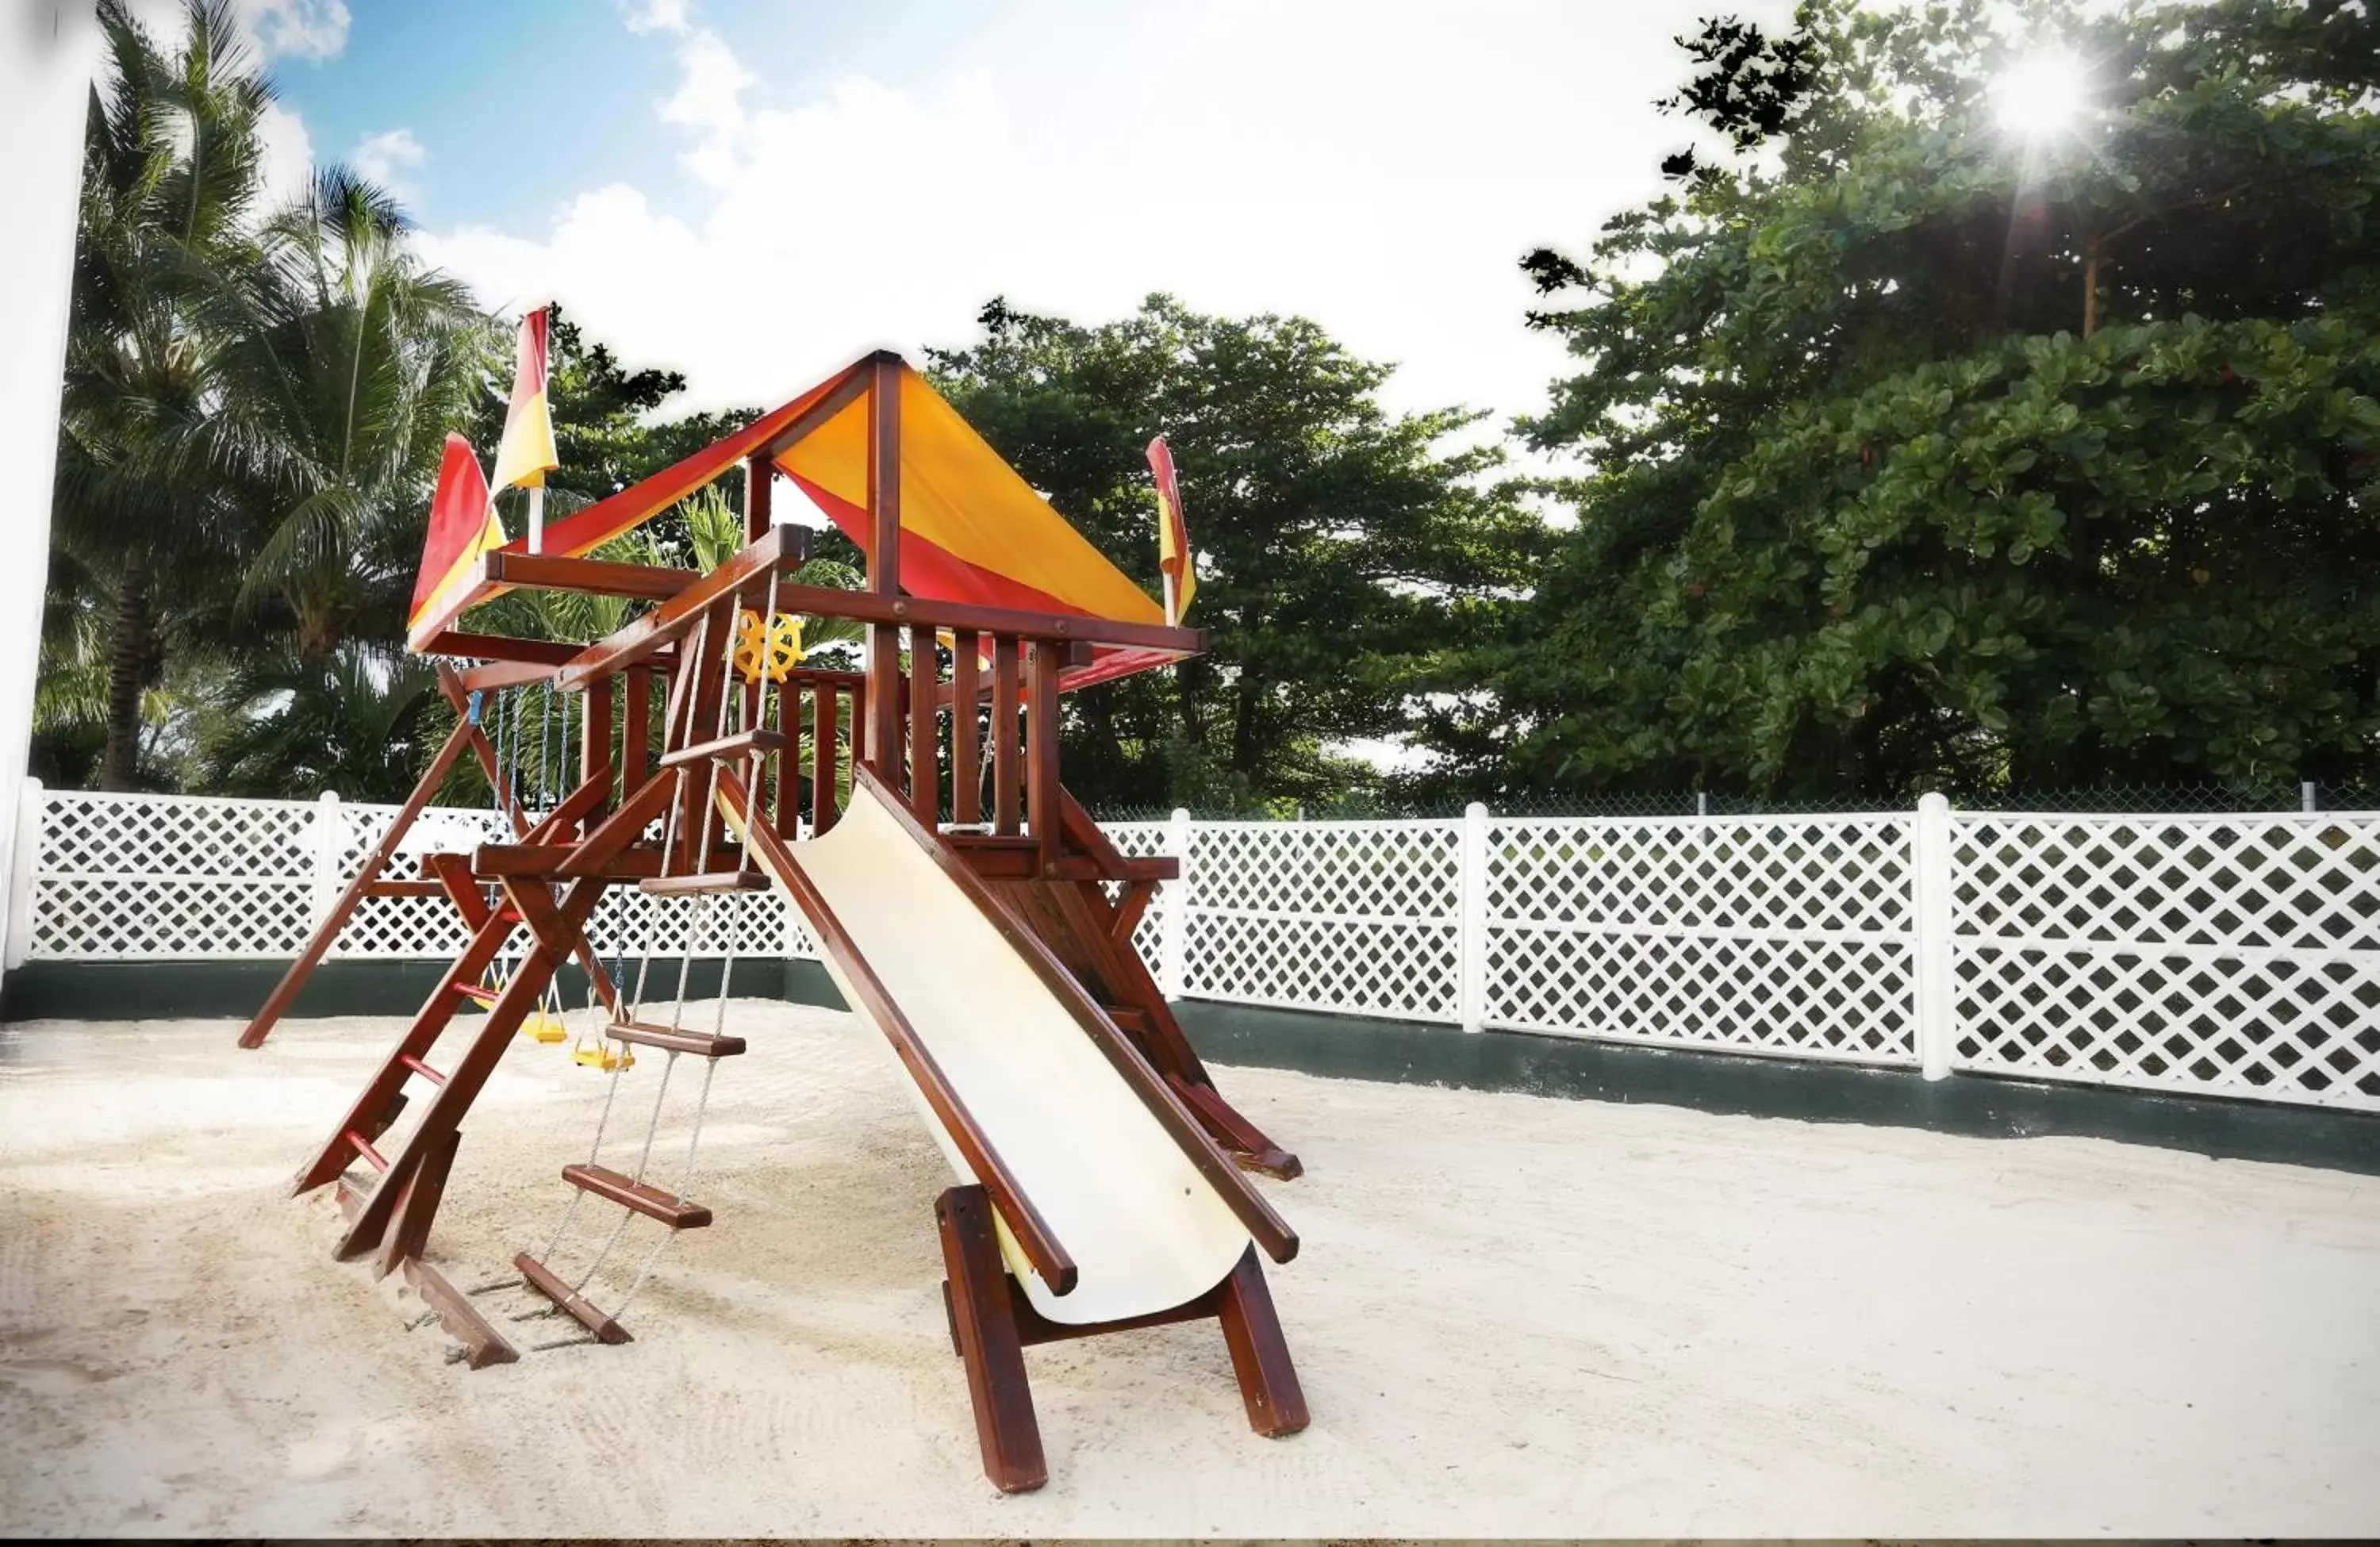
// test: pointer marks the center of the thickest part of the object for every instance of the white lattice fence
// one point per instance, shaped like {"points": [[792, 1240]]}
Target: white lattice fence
{"points": [[1757, 935], [1354, 916], [2215, 954], [143, 877]]}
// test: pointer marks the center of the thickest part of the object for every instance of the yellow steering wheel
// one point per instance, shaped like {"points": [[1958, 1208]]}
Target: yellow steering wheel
{"points": [[771, 653]]}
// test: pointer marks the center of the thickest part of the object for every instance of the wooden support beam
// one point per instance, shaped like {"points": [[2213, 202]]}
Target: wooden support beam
{"points": [[1269, 1386], [1007, 797], [1041, 813], [759, 485], [967, 752], [635, 727], [985, 1330], [595, 576], [482, 1344], [924, 788], [676, 618]]}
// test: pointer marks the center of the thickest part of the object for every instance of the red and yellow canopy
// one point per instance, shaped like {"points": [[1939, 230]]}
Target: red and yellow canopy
{"points": [[972, 529]]}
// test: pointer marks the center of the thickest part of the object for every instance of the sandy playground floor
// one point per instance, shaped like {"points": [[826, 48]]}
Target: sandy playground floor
{"points": [[1512, 1315]]}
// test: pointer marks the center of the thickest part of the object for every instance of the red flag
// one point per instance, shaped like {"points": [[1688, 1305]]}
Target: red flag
{"points": [[463, 525], [1173, 536]]}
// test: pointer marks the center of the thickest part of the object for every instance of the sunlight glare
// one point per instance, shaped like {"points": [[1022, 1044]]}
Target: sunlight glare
{"points": [[2040, 95]]}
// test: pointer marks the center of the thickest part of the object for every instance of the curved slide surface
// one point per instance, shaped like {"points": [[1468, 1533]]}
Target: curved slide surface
{"points": [[1146, 1229]]}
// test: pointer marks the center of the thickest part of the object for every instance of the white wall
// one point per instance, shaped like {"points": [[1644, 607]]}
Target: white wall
{"points": [[48, 49]]}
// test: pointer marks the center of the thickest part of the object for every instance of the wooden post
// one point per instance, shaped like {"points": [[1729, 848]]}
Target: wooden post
{"points": [[984, 1326], [925, 789], [595, 736], [1268, 1387], [758, 475], [966, 772], [1041, 756], [823, 757], [884, 565], [636, 727], [1004, 731]]}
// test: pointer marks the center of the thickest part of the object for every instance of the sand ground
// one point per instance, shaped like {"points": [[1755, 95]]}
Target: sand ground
{"points": [[1512, 1315]]}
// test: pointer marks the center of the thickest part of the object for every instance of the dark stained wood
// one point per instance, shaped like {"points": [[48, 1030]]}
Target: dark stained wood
{"points": [[595, 736], [1266, 1227], [1007, 801], [884, 701], [404, 889], [740, 744], [482, 1344], [706, 719], [1248, 1143], [498, 674], [1078, 632], [985, 1329], [785, 790], [554, 860], [1024, 1222], [409, 1232], [635, 727], [1041, 813], [591, 576], [884, 476], [556, 931], [966, 753], [318, 945], [496, 647], [1268, 1387], [824, 761], [676, 618], [547, 1282], [1085, 834], [995, 856], [641, 1196], [1131, 905], [759, 487], [702, 1044], [925, 793]]}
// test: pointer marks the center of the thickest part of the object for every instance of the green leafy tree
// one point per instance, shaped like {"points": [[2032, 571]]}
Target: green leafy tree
{"points": [[1344, 552], [1934, 445]]}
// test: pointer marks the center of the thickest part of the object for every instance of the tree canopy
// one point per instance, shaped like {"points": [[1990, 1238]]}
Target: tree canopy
{"points": [[1344, 552], [1931, 444]]}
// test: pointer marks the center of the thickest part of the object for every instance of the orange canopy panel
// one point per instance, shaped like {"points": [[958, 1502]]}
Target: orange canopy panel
{"points": [[971, 529]]}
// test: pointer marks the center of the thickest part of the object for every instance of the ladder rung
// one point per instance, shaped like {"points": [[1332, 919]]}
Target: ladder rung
{"points": [[644, 1198], [364, 1147], [424, 1070], [758, 739], [547, 1282], [1127, 1018], [707, 882], [703, 1043], [480, 991]]}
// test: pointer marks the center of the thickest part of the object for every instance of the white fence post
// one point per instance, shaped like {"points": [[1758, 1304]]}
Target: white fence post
{"points": [[1470, 954], [1931, 896], [20, 874], [1173, 935], [330, 837]]}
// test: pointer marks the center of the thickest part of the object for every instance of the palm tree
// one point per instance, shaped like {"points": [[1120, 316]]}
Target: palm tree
{"points": [[350, 361], [144, 513]]}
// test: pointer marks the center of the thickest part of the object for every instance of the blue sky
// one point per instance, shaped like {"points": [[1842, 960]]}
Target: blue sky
{"points": [[753, 192]]}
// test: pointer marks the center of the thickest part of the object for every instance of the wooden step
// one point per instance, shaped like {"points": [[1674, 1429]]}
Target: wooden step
{"points": [[546, 1282], [704, 883], [700, 1043], [742, 744], [1127, 1018], [490, 860], [643, 1197], [400, 888]]}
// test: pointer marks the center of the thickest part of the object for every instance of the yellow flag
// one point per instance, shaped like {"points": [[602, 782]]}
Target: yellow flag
{"points": [[526, 454]]}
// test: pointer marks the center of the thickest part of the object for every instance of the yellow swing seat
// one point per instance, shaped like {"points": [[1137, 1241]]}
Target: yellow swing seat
{"points": [[545, 1029], [603, 1055]]}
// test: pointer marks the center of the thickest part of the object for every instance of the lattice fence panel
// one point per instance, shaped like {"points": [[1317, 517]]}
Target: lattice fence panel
{"points": [[132, 877], [1763, 934], [2217, 954], [1361, 917]]}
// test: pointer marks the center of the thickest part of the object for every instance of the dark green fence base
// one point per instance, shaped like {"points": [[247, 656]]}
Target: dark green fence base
{"points": [[190, 990], [1354, 1047]]}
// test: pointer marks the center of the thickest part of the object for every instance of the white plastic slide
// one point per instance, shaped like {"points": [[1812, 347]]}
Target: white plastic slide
{"points": [[1146, 1229]]}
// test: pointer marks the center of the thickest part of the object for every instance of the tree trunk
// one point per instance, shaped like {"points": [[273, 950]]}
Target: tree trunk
{"points": [[131, 652]]}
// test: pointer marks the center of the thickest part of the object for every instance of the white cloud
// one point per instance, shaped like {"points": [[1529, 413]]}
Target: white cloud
{"points": [[288, 152], [649, 15], [1378, 167], [301, 28], [389, 159]]}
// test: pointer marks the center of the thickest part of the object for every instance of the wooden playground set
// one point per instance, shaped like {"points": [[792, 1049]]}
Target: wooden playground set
{"points": [[965, 905]]}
